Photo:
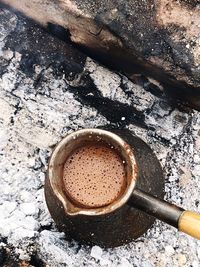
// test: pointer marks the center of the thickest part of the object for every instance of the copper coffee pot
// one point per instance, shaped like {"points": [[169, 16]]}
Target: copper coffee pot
{"points": [[122, 220]]}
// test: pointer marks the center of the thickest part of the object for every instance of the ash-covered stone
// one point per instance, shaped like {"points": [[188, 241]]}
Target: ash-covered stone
{"points": [[41, 101]]}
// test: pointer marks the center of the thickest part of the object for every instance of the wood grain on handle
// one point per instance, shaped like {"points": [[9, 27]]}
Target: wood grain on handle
{"points": [[184, 220], [189, 223]]}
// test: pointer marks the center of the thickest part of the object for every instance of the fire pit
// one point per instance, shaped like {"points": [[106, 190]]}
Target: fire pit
{"points": [[48, 89]]}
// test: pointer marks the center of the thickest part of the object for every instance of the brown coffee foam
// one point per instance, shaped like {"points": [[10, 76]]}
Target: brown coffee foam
{"points": [[94, 175]]}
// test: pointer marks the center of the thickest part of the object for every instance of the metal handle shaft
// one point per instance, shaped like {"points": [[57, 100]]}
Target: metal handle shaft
{"points": [[156, 207], [186, 221]]}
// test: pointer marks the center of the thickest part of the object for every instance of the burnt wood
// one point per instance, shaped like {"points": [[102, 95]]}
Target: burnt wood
{"points": [[159, 39]]}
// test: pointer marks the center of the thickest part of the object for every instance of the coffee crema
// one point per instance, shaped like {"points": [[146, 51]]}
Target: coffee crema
{"points": [[94, 175]]}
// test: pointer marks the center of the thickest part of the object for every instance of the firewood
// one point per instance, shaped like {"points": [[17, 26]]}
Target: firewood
{"points": [[159, 39]]}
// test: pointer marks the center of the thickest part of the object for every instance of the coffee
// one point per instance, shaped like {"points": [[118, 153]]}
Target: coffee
{"points": [[94, 175]]}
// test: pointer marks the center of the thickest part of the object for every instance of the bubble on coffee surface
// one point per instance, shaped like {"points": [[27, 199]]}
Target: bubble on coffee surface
{"points": [[94, 175]]}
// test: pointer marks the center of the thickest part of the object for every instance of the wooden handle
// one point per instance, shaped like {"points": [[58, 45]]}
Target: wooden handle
{"points": [[186, 221], [189, 223]]}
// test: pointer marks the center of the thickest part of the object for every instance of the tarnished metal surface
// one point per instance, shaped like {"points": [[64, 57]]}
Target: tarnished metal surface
{"points": [[120, 226]]}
